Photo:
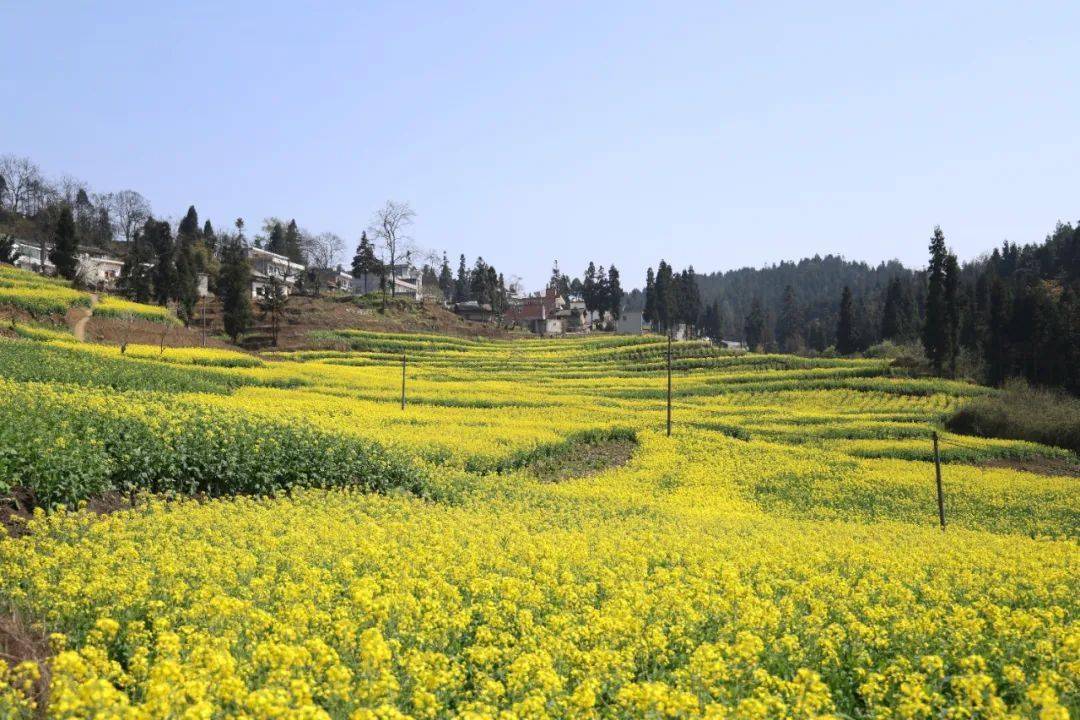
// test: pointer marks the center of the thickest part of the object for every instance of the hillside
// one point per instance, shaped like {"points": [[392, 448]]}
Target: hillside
{"points": [[345, 557], [31, 299], [818, 283]]}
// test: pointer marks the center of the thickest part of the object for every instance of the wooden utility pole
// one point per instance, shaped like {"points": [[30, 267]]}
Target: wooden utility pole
{"points": [[669, 383], [937, 474], [402, 381]]}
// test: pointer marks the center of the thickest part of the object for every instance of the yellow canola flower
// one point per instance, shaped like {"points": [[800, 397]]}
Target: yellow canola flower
{"points": [[775, 558]]}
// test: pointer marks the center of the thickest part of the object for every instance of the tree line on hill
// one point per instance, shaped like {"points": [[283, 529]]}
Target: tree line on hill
{"points": [[482, 283], [808, 289], [1014, 312], [600, 289], [672, 298], [160, 265], [163, 261]]}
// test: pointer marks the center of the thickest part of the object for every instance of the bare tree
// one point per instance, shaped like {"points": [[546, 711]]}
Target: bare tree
{"points": [[21, 178], [38, 196], [68, 188], [129, 210], [389, 227], [322, 252]]}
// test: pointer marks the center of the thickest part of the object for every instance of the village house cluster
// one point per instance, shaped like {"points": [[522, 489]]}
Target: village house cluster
{"points": [[549, 313], [546, 313], [101, 271]]}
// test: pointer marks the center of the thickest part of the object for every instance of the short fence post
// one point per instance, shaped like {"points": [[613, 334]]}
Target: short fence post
{"points": [[937, 474], [402, 381], [669, 384]]}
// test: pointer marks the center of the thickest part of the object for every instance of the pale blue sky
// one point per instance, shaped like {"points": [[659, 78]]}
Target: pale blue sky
{"points": [[717, 134]]}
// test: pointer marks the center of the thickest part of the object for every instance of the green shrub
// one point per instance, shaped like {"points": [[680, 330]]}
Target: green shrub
{"points": [[69, 444], [1020, 412]]}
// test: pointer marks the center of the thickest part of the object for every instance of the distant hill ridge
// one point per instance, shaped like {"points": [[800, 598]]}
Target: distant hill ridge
{"points": [[818, 282]]}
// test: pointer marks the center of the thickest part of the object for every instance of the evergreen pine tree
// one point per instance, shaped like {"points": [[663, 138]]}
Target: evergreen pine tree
{"points": [[365, 264], [615, 293], [649, 313], [135, 277], [189, 226], [708, 321], [461, 283], [502, 298], [664, 297], [492, 287], [846, 342], [446, 279], [691, 298], [935, 329], [559, 280], [86, 219], [600, 293], [1071, 306], [234, 287], [64, 254], [951, 349], [755, 325], [892, 316], [159, 235], [293, 243], [714, 328], [187, 278], [588, 288], [677, 313], [480, 282], [789, 323], [275, 242]]}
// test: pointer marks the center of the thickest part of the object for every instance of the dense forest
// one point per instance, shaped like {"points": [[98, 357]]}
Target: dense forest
{"points": [[730, 297], [1013, 312]]}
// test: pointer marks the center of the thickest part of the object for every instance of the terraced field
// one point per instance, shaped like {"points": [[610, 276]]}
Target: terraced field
{"points": [[777, 556], [43, 296]]}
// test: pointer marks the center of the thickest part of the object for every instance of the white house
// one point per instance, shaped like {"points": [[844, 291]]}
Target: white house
{"points": [[408, 282], [96, 268], [631, 322], [268, 267], [99, 270], [340, 281], [33, 257]]}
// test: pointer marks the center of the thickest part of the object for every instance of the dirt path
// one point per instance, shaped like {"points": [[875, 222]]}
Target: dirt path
{"points": [[78, 317]]}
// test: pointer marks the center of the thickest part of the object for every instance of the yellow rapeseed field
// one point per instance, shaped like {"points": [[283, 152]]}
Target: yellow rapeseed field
{"points": [[777, 557]]}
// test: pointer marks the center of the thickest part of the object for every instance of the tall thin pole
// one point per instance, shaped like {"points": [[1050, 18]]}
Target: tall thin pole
{"points": [[402, 381], [669, 383], [937, 473]]}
